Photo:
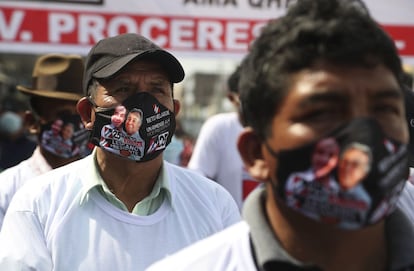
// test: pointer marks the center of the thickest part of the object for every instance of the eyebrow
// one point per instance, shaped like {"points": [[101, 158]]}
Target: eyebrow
{"points": [[324, 97], [154, 80], [338, 96], [389, 93], [158, 81]]}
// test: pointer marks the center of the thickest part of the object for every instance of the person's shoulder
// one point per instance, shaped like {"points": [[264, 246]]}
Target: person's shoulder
{"points": [[400, 236], [203, 195], [222, 119], [406, 200], [6, 173], [221, 251], [194, 181], [217, 128], [13, 174], [186, 175], [407, 192], [409, 186], [54, 181]]}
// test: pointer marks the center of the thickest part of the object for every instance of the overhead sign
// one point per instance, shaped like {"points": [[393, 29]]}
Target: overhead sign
{"points": [[216, 28]]}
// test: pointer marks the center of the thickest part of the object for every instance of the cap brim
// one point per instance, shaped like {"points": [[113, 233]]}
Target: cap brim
{"points": [[167, 60], [50, 94]]}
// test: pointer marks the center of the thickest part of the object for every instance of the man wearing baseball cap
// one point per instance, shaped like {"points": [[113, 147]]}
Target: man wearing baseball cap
{"points": [[123, 207], [56, 88]]}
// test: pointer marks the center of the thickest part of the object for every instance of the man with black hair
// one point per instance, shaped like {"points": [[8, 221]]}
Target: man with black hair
{"points": [[215, 153], [325, 69]]}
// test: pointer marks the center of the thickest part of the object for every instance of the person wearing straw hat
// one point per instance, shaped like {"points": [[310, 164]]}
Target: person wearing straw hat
{"points": [[110, 211], [56, 88]]}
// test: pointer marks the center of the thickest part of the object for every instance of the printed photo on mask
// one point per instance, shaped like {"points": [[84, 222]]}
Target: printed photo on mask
{"points": [[354, 165], [349, 178], [132, 137], [139, 129], [65, 137]]}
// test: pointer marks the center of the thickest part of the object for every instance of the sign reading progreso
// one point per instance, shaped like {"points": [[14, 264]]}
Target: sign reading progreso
{"points": [[183, 26]]}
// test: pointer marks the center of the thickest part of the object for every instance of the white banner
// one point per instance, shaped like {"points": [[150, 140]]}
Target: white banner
{"points": [[213, 28]]}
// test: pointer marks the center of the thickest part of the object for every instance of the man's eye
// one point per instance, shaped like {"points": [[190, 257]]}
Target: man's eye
{"points": [[319, 114], [386, 109]]}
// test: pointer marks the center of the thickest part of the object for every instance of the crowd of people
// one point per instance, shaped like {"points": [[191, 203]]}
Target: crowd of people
{"points": [[312, 171]]}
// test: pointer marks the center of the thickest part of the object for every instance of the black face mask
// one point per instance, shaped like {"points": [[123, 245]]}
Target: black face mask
{"points": [[350, 178], [139, 129], [65, 137]]}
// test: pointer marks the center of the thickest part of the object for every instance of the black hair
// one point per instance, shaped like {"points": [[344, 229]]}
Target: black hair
{"points": [[408, 79], [340, 32], [233, 80]]}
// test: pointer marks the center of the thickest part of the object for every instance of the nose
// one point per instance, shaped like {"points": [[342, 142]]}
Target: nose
{"points": [[358, 106]]}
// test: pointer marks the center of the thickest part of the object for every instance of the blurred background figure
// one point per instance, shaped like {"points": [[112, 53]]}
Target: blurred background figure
{"points": [[188, 149], [215, 153], [15, 145], [55, 91], [180, 149]]}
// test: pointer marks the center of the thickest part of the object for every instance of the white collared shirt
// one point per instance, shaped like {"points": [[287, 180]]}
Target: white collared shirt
{"points": [[15, 177], [57, 222]]}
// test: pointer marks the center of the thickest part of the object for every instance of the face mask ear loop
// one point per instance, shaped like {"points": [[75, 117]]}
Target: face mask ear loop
{"points": [[98, 109], [93, 103], [272, 152]]}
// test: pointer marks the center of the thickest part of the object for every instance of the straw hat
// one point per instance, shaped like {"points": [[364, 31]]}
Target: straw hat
{"points": [[57, 76]]}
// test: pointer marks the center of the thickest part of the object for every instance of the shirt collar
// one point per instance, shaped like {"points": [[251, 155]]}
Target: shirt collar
{"points": [[38, 162], [93, 180], [400, 241], [92, 177], [267, 248]]}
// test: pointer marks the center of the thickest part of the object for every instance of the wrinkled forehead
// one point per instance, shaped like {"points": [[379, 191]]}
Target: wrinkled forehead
{"points": [[142, 69]]}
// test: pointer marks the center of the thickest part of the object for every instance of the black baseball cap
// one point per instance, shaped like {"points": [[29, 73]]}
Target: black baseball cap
{"points": [[111, 54]]}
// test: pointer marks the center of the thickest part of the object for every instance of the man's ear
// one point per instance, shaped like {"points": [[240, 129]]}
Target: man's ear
{"points": [[250, 149], [84, 107], [177, 106]]}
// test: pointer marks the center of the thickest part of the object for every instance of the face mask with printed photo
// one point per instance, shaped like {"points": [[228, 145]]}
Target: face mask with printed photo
{"points": [[139, 129], [65, 137], [350, 178]]}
